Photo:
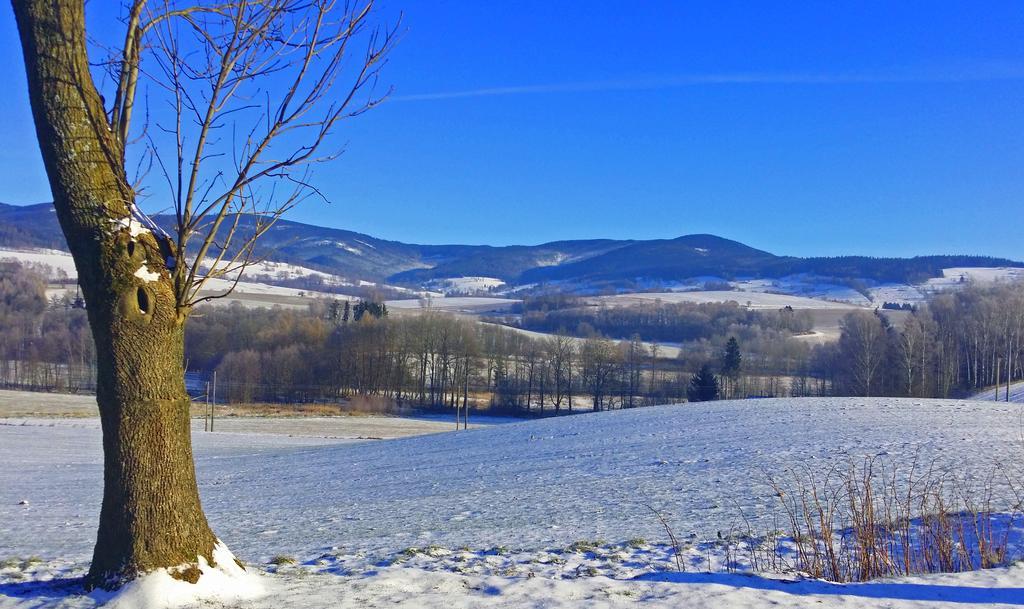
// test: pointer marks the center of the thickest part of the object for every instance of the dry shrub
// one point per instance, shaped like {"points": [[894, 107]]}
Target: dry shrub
{"points": [[371, 404], [877, 519], [356, 405]]}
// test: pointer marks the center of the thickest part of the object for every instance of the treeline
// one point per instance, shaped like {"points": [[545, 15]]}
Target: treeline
{"points": [[433, 359], [900, 270], [426, 360], [44, 343], [660, 321], [956, 344]]}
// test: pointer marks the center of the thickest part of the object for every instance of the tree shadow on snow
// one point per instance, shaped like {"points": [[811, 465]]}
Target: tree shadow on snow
{"points": [[44, 591], [906, 591]]}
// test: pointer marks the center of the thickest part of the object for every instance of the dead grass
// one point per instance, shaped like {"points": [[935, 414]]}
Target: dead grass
{"points": [[355, 407], [877, 518]]}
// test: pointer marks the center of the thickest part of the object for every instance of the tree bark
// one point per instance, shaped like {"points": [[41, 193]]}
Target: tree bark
{"points": [[151, 515]]}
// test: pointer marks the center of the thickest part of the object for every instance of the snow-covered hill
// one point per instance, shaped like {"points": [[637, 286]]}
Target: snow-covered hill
{"points": [[463, 519], [1016, 393], [592, 265]]}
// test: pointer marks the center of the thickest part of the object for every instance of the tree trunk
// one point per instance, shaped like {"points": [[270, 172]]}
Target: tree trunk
{"points": [[151, 515]]}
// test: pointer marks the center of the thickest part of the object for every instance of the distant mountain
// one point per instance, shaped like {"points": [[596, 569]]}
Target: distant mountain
{"points": [[30, 226], [357, 256], [707, 255], [663, 259], [507, 263]]}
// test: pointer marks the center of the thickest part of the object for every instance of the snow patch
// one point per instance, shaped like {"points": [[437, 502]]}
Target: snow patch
{"points": [[344, 246], [226, 582], [145, 274], [135, 227]]}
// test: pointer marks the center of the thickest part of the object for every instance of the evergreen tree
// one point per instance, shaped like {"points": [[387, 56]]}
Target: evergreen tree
{"points": [[732, 363], [732, 360], [703, 386], [376, 310]]}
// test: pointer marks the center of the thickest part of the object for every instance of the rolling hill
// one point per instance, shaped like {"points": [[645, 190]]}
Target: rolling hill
{"points": [[357, 256]]}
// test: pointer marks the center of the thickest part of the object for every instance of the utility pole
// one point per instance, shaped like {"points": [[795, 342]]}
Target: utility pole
{"points": [[1009, 368], [206, 412], [213, 404], [999, 379]]}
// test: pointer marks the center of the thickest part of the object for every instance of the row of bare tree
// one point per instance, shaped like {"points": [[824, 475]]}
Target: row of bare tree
{"points": [[44, 343], [435, 360], [956, 344]]}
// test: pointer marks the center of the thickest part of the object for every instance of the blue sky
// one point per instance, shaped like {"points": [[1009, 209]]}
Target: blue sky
{"points": [[811, 128]]}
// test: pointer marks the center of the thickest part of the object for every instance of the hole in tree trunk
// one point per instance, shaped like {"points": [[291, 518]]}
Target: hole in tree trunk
{"points": [[131, 249], [143, 301]]}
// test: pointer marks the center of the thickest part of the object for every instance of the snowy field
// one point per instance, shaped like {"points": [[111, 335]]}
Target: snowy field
{"points": [[1016, 393], [666, 351], [323, 429], [807, 286], [465, 285], [60, 261], [820, 289], [280, 270], [798, 291], [753, 300], [825, 314], [246, 293], [983, 275], [458, 304], [52, 409], [533, 514]]}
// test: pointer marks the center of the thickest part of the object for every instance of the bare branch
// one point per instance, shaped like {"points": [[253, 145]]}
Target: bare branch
{"points": [[256, 89]]}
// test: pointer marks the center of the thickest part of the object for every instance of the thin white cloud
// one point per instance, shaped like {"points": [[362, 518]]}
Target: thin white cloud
{"points": [[977, 74]]}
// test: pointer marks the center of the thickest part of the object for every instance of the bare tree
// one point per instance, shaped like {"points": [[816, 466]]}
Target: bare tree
{"points": [[863, 348], [254, 89]]}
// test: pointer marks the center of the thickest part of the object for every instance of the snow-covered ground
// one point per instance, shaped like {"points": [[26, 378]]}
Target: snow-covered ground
{"points": [[806, 286], [549, 513], [823, 289], [60, 261], [248, 287], [1016, 393], [65, 410], [253, 290], [279, 270], [452, 303], [897, 292], [324, 429], [799, 291], [979, 275], [753, 300], [246, 293], [465, 285], [665, 351]]}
